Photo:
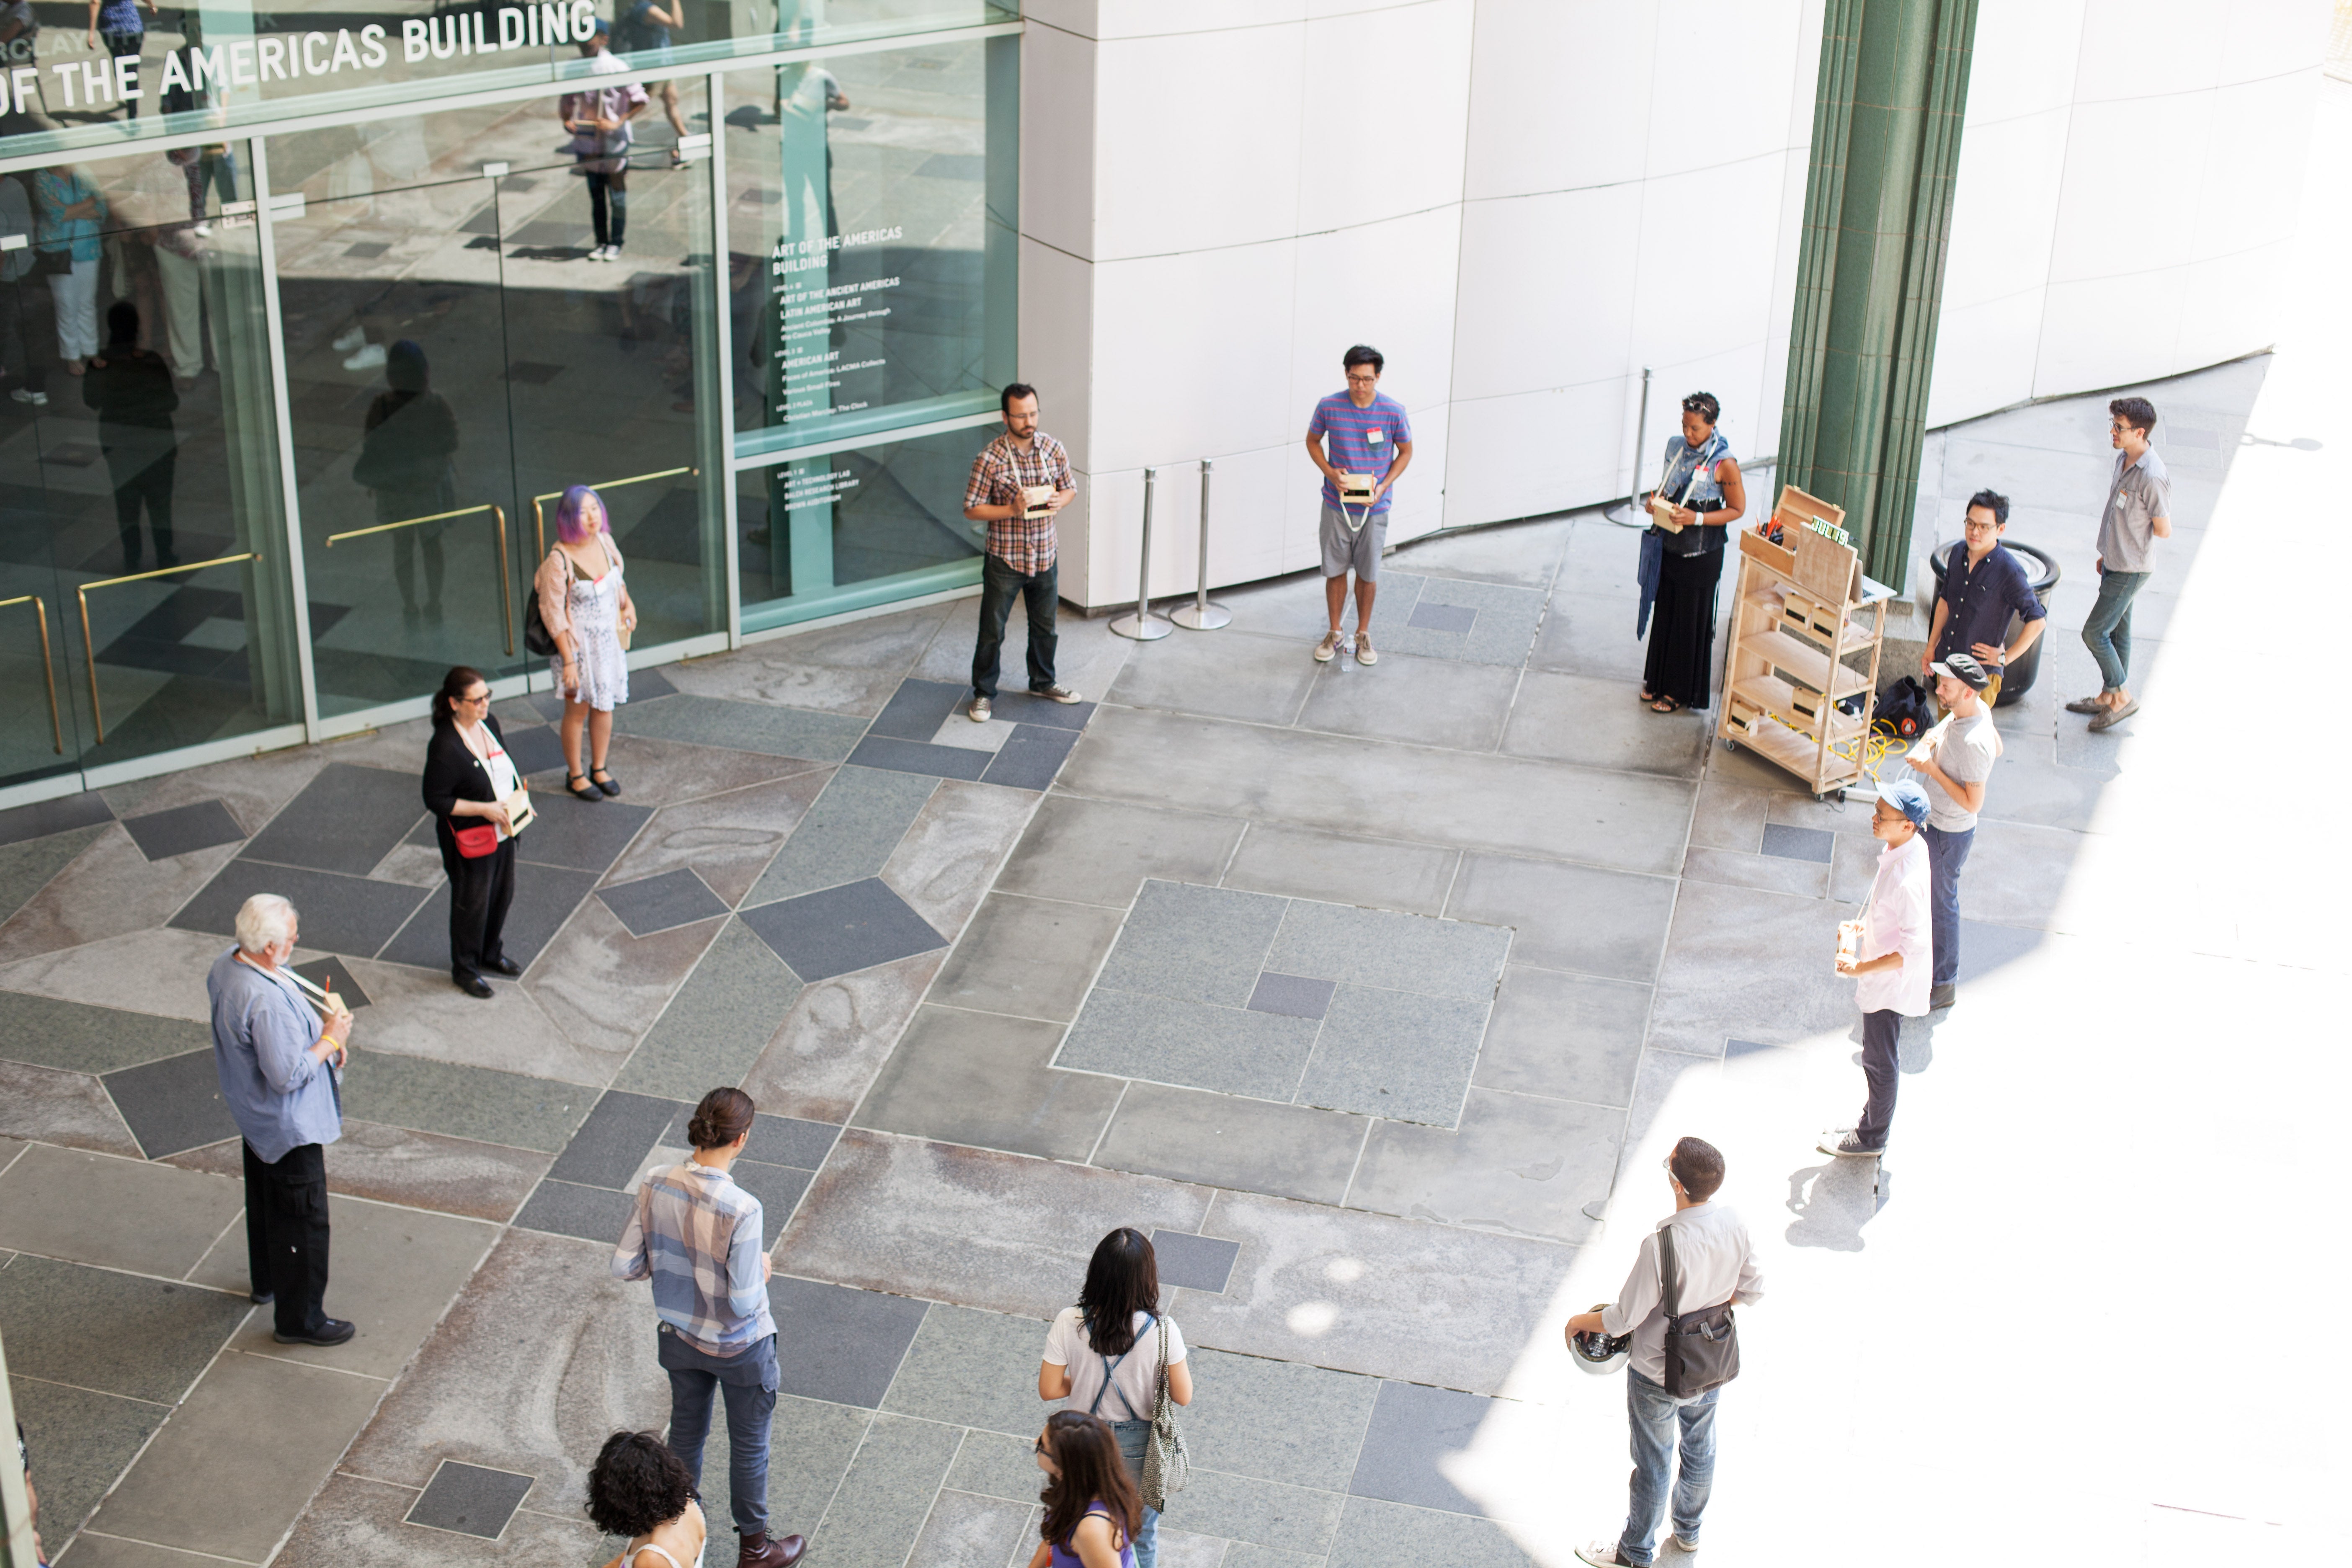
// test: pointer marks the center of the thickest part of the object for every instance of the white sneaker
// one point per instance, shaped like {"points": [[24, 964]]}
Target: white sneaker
{"points": [[1600, 1553], [37, 399], [369, 357], [353, 336], [1679, 1544]]}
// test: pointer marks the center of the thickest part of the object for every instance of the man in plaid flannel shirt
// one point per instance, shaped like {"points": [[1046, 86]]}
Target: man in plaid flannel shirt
{"points": [[1021, 549]]}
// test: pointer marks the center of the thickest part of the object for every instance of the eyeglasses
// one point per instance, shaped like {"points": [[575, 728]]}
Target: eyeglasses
{"points": [[1040, 1447], [470, 701], [1365, 380]]}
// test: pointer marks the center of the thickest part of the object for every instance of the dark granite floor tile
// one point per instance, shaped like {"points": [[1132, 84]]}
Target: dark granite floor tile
{"points": [[778, 1188], [199, 825], [662, 903], [480, 1104], [1027, 708], [1195, 1262], [1292, 996], [78, 1038], [158, 1336], [329, 973], [1413, 1428], [1443, 617], [918, 709], [470, 1500], [544, 899], [1799, 843], [171, 1105], [843, 928], [920, 757], [62, 814], [1394, 1054], [714, 1029], [576, 834], [591, 1213], [339, 913], [345, 820], [534, 748], [836, 1343], [1198, 945], [776, 1139], [614, 1140], [1031, 757], [80, 1444]]}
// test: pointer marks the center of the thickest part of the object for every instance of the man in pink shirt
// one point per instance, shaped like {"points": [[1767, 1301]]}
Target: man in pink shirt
{"points": [[1890, 963]]}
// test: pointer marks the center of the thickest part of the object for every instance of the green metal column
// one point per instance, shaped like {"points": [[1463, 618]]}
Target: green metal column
{"points": [[1870, 275]]}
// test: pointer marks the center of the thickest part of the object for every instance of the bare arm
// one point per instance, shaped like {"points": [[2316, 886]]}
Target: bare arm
{"points": [[1179, 1383], [1970, 797], [2160, 526], [2027, 636], [1935, 633], [1735, 500], [1052, 1382]]}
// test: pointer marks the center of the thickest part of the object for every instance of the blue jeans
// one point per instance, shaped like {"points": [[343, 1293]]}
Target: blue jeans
{"points": [[1000, 585], [749, 1382], [1654, 1415], [1132, 1435], [2107, 632], [1947, 853]]}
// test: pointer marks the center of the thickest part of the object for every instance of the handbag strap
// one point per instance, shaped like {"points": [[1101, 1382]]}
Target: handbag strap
{"points": [[1669, 1287], [1700, 464], [1159, 1400]]}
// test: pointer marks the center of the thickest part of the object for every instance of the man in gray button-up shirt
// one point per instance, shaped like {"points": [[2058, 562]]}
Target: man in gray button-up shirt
{"points": [[277, 1063], [2138, 512]]}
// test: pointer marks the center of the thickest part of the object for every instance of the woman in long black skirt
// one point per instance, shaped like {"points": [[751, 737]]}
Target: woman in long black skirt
{"points": [[1702, 483]]}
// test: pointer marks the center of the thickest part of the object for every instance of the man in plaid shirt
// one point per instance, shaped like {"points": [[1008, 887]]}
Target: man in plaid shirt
{"points": [[1021, 549]]}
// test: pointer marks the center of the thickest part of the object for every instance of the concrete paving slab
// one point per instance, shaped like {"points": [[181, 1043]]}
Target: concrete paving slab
{"points": [[1265, 1513], [1251, 679], [719, 1021], [982, 1079], [603, 988], [1196, 944], [67, 1109], [1517, 1163], [724, 723], [400, 1165], [1029, 958], [479, 1104], [1227, 1141], [1424, 701], [1001, 1232], [1278, 1420], [1394, 1054], [109, 889], [240, 1458], [835, 1038], [116, 1214], [943, 865], [1766, 873], [1099, 852], [1729, 815], [170, 965], [1592, 721], [1303, 863], [879, 1510], [1452, 958], [969, 1368], [363, 1522], [1522, 553], [967, 1531], [1566, 1036], [1580, 918], [1373, 1532], [728, 839], [419, 1013], [161, 1335], [847, 834]]}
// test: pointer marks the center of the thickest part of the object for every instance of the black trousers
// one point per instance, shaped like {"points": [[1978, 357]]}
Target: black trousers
{"points": [[1882, 1068], [479, 893], [1682, 628], [613, 188], [149, 485], [1039, 592], [286, 1234]]}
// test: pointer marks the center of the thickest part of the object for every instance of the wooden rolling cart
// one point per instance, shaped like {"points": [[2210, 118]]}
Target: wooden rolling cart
{"points": [[1805, 618]]}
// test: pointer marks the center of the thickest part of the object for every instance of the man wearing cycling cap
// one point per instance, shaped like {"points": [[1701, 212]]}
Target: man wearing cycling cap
{"points": [[1889, 961]]}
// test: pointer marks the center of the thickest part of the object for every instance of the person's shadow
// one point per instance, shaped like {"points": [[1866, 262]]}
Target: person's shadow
{"points": [[1834, 1201]]}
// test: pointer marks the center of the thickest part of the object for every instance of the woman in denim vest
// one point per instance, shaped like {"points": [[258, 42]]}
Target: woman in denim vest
{"points": [[1703, 487]]}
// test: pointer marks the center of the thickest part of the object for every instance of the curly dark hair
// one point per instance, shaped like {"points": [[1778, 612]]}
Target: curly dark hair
{"points": [[635, 1484]]}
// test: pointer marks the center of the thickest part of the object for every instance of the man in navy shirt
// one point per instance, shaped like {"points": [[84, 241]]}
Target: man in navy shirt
{"points": [[1371, 437], [1983, 583]]}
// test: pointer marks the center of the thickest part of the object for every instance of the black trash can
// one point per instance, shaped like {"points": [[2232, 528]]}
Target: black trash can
{"points": [[2018, 679]]}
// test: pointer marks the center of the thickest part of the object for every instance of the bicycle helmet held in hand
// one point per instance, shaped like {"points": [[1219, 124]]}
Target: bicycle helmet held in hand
{"points": [[1599, 1354]]}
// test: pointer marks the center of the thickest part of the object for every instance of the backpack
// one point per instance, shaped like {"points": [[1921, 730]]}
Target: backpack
{"points": [[1903, 711]]}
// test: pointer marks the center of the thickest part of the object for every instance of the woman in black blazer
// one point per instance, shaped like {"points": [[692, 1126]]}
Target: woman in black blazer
{"points": [[467, 775]]}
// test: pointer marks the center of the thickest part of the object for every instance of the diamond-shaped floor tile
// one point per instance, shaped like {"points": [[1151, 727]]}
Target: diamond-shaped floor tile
{"points": [[843, 928]]}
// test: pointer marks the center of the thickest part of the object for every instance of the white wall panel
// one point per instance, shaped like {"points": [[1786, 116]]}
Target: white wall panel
{"points": [[1702, 285], [1185, 354], [1527, 134], [2025, 58], [2105, 331], [2266, 38], [1691, 127], [1369, 150], [1420, 505], [1391, 285], [2005, 208], [1984, 355], [1196, 144], [2228, 305], [2251, 187], [1547, 291], [1154, 18], [1057, 140], [2147, 48], [1515, 456], [1058, 334]]}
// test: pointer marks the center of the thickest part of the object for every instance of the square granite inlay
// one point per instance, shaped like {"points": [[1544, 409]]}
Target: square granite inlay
{"points": [[1195, 1262], [1292, 1000], [1814, 843], [346, 819], [1442, 617], [470, 1500], [662, 903], [1293, 995], [172, 1105], [843, 928], [183, 828]]}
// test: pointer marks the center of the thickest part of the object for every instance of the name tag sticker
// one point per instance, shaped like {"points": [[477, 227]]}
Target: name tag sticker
{"points": [[1375, 437]]}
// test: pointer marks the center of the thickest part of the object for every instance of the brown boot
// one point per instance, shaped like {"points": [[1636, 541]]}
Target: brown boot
{"points": [[763, 1550]]}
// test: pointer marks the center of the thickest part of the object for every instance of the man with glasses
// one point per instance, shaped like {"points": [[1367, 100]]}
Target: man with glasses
{"points": [[1714, 1263], [2138, 512], [1020, 483], [1371, 438], [1890, 955], [1984, 583]]}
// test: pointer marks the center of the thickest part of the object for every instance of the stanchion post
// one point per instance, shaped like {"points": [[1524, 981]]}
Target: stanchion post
{"points": [[1628, 512], [1143, 625], [1201, 616]]}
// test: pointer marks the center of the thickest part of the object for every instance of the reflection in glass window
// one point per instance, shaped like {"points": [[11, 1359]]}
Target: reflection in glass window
{"points": [[871, 278], [859, 527], [137, 444]]}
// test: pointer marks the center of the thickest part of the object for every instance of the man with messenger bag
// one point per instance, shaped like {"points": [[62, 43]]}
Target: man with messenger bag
{"points": [[1677, 1307]]}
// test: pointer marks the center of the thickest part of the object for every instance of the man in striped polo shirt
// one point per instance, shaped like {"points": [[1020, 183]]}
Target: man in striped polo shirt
{"points": [[1370, 436]]}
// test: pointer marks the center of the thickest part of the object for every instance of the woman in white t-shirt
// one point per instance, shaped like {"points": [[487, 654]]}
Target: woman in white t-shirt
{"points": [[1103, 1356]]}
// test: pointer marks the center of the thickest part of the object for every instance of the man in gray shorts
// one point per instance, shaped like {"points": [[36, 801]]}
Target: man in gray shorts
{"points": [[1370, 436]]}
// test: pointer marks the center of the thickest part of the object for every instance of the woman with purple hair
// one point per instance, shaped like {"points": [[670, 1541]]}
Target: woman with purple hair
{"points": [[588, 612]]}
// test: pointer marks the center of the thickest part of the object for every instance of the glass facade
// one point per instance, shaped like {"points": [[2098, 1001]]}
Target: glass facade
{"points": [[296, 367]]}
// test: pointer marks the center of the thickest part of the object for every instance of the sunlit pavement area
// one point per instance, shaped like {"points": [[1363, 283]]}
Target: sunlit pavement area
{"points": [[1376, 994]]}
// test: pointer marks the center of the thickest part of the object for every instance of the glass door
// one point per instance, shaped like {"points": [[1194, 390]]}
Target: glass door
{"points": [[461, 347], [145, 598]]}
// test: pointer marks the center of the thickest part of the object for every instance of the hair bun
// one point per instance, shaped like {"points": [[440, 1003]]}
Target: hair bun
{"points": [[723, 1116]]}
